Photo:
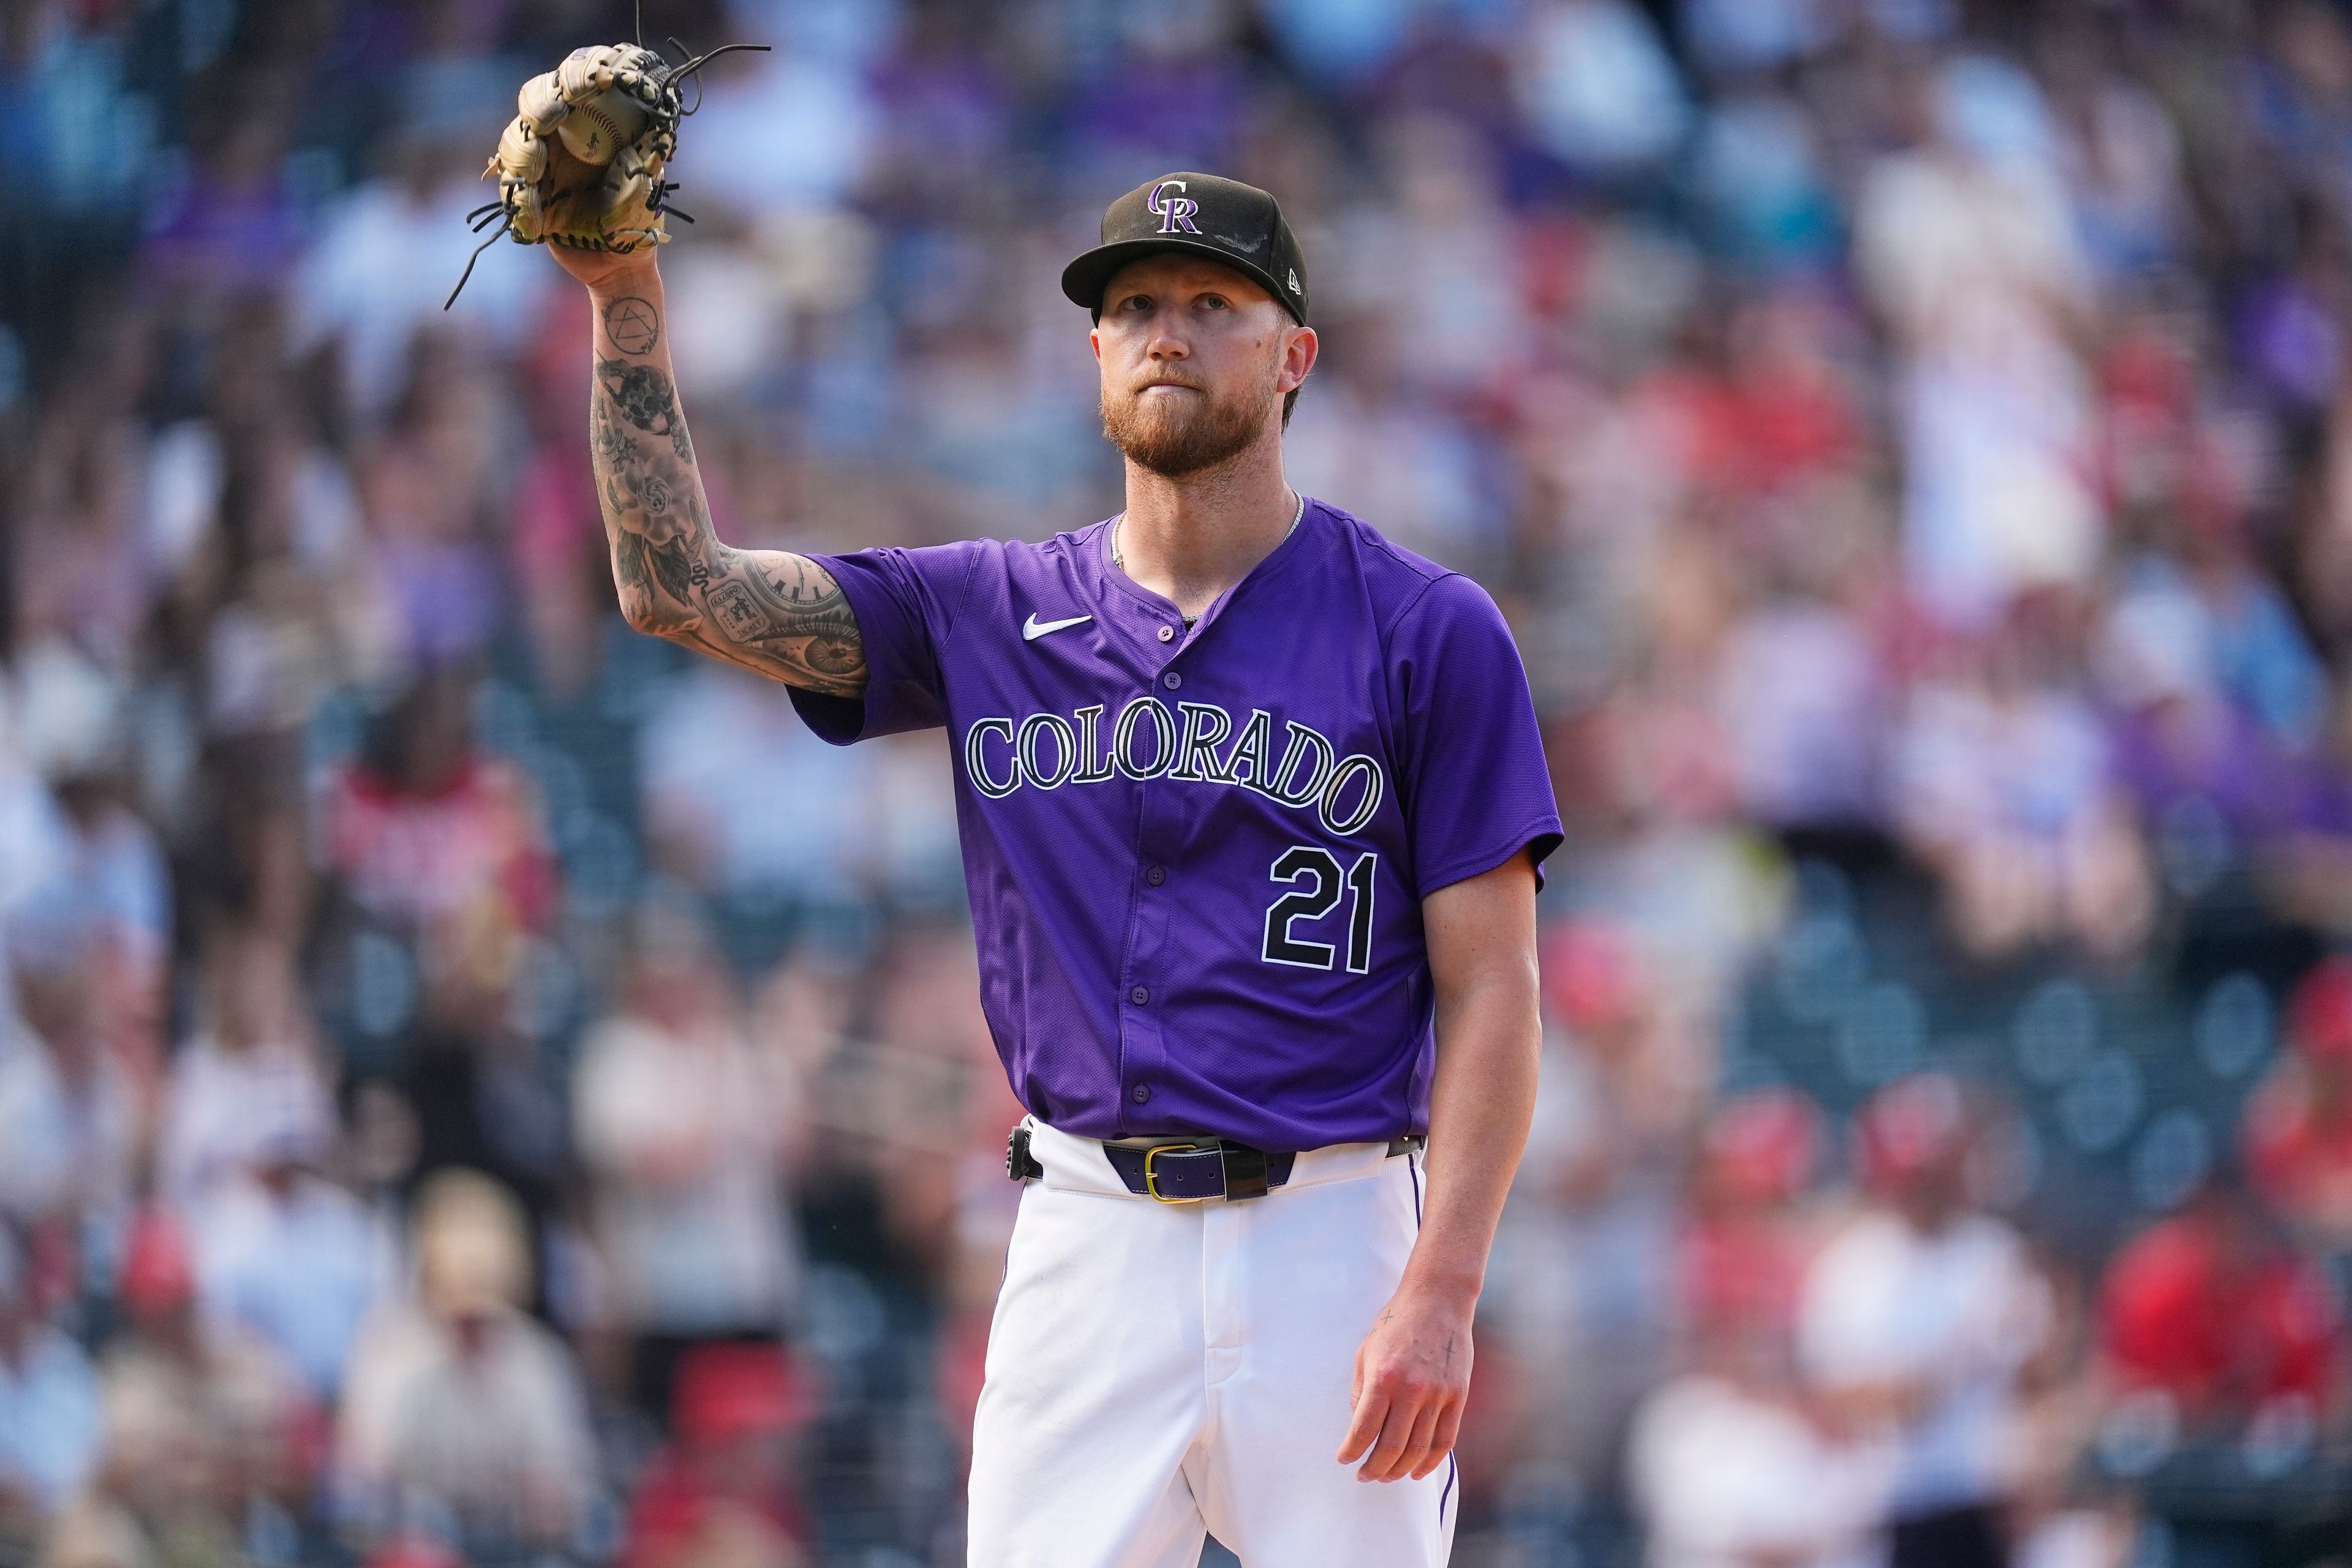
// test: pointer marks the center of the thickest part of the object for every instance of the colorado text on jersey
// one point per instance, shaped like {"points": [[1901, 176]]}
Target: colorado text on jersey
{"points": [[1048, 751]]}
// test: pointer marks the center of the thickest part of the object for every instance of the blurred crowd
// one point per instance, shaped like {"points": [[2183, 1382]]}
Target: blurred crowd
{"points": [[477, 1086]]}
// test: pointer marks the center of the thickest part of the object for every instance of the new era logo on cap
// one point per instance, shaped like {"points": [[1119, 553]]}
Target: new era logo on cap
{"points": [[1204, 214]]}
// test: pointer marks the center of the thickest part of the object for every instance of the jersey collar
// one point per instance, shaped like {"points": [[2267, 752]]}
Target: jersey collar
{"points": [[1276, 561]]}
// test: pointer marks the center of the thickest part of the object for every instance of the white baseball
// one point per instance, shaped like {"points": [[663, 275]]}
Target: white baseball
{"points": [[597, 128]]}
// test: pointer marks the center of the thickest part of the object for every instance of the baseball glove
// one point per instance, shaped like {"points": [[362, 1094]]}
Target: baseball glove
{"points": [[596, 184]]}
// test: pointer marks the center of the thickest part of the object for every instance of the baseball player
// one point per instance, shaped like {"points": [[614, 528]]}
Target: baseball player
{"points": [[1252, 808]]}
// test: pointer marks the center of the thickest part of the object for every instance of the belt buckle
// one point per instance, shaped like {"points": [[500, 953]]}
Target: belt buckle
{"points": [[1151, 1178]]}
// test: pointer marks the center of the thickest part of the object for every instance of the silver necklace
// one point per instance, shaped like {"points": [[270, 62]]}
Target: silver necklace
{"points": [[1120, 562]]}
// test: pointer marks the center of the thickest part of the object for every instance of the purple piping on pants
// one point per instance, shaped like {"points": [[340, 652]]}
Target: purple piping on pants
{"points": [[1452, 1468]]}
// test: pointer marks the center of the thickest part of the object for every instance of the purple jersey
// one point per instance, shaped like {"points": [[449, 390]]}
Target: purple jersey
{"points": [[1196, 856]]}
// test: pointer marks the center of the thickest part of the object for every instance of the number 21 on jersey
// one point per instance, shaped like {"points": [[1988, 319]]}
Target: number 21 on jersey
{"points": [[1316, 887]]}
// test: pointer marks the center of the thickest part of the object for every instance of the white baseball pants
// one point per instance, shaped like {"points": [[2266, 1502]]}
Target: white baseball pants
{"points": [[1156, 1372]]}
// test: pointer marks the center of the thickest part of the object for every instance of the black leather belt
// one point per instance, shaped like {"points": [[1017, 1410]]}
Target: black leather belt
{"points": [[1185, 1172]]}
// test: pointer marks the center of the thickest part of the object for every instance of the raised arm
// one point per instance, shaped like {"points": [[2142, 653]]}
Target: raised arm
{"points": [[774, 612]]}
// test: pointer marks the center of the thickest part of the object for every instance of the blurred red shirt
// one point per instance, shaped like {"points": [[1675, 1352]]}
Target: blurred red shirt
{"points": [[416, 857], [2222, 1322]]}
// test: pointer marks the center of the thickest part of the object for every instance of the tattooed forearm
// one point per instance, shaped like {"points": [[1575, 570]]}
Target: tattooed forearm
{"points": [[779, 615], [642, 395]]}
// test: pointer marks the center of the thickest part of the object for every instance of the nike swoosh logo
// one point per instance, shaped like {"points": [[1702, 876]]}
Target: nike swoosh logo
{"points": [[1033, 628]]}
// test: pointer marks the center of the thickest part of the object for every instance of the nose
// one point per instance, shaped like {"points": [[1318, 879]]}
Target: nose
{"points": [[1164, 343]]}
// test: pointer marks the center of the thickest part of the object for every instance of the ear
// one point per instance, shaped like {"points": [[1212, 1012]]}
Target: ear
{"points": [[1093, 339], [1297, 359]]}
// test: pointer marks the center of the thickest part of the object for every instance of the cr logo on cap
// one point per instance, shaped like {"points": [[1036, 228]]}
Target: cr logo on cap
{"points": [[1173, 210]]}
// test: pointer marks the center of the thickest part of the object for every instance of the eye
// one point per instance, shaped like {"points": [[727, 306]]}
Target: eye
{"points": [[1215, 302], [1136, 302]]}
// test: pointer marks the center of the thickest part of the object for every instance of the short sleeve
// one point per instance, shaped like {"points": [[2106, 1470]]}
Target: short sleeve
{"points": [[1472, 776], [905, 602]]}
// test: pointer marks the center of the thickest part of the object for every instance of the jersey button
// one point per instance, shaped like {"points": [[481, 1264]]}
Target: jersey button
{"points": [[1157, 875], [1171, 680], [1140, 1093], [1167, 634], [1139, 995]]}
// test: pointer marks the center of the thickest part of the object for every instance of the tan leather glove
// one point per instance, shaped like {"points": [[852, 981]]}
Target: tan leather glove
{"points": [[623, 100]]}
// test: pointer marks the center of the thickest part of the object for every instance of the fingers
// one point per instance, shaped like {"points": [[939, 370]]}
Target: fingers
{"points": [[1359, 1437], [1404, 1438], [1372, 1410], [1449, 1428], [1415, 1460], [1396, 1433], [1415, 1428]]}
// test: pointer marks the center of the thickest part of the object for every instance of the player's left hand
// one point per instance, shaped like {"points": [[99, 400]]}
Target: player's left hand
{"points": [[1413, 1378]]}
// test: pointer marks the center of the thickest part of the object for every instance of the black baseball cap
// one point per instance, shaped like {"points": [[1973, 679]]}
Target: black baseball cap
{"points": [[1224, 220]]}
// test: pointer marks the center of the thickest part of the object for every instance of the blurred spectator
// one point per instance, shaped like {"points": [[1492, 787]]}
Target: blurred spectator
{"points": [[481, 1095], [1596, 86], [49, 1406], [70, 1113], [1749, 1239], [1732, 1465], [1917, 1317], [2211, 1311], [686, 1125], [807, 114], [112, 889], [1965, 241], [250, 1070], [722, 1492], [721, 748], [425, 490], [203, 1422], [422, 826], [460, 1406], [2205, 771], [286, 1254], [1731, 1462], [391, 249], [2003, 785], [2298, 1128]]}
